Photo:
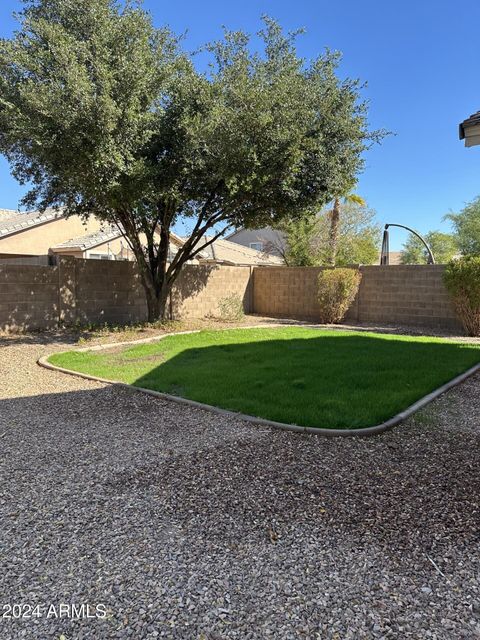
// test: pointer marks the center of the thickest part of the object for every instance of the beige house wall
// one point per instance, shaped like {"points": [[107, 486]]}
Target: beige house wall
{"points": [[113, 247], [38, 240], [268, 236]]}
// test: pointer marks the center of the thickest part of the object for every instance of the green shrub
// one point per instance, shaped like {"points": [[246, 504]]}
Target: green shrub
{"points": [[336, 290], [231, 308], [462, 280]]}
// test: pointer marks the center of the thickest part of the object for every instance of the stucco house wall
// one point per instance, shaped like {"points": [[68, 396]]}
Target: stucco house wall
{"points": [[114, 247], [40, 238], [268, 237]]}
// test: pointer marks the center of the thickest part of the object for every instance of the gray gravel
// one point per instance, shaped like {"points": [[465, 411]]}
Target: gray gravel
{"points": [[186, 525]]}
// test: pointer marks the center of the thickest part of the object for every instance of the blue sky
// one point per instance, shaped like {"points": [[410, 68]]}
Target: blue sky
{"points": [[420, 60]]}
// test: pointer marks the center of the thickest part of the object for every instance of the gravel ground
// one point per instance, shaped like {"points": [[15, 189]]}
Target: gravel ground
{"points": [[184, 524]]}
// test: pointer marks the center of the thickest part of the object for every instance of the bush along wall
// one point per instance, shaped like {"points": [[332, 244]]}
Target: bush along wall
{"points": [[462, 281], [337, 289]]}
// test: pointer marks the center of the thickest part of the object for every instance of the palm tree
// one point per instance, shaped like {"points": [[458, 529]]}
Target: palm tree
{"points": [[335, 222]]}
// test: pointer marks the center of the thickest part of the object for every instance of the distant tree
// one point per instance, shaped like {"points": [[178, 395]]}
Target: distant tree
{"points": [[359, 234], [104, 114], [307, 243], [297, 243], [349, 198], [443, 245], [466, 224]]}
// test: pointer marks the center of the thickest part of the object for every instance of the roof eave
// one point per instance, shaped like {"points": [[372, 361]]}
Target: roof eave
{"points": [[67, 249], [13, 232]]}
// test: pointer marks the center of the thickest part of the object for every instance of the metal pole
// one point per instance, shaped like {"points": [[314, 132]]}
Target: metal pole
{"points": [[431, 259], [385, 255]]}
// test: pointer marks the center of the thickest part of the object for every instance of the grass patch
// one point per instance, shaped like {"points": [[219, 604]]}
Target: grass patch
{"points": [[309, 377]]}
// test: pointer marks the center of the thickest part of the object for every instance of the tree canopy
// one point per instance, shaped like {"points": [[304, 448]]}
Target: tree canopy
{"points": [[308, 242], [466, 224], [443, 245], [106, 115]]}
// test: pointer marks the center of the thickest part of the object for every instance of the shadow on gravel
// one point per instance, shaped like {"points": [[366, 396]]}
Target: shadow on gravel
{"points": [[410, 486], [40, 338]]}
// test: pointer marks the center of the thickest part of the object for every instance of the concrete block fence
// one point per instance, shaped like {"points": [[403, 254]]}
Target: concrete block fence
{"points": [[395, 294], [97, 291]]}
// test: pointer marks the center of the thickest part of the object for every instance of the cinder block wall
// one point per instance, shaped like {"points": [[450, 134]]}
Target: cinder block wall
{"points": [[108, 291], [29, 297], [396, 294], [404, 294], [288, 292], [99, 291], [200, 288]]}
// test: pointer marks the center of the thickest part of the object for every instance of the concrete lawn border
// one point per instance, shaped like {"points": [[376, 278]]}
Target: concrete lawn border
{"points": [[320, 431]]}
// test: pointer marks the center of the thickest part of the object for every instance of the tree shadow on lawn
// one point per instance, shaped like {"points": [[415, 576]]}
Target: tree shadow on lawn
{"points": [[338, 380]]}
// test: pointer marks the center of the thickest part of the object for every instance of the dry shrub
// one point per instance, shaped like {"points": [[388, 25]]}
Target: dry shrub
{"points": [[462, 280], [337, 289], [231, 308]]}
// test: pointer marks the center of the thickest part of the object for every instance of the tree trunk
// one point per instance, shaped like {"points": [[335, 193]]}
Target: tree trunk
{"points": [[157, 272], [157, 302], [333, 236], [153, 273]]}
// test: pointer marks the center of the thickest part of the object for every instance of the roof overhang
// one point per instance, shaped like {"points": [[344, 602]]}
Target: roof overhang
{"points": [[71, 249], [469, 130]]}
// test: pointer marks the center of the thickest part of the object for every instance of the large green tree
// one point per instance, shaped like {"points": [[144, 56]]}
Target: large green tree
{"points": [[466, 224], [104, 114], [307, 242], [443, 245]]}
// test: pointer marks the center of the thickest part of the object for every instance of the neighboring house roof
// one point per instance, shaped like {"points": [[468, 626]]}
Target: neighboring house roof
{"points": [[5, 214], [22, 221], [222, 250], [472, 121], [395, 257], [469, 130], [102, 236], [89, 241]]}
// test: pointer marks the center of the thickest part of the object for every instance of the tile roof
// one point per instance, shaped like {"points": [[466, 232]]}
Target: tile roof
{"points": [[91, 240], [222, 250], [5, 214], [20, 221], [473, 120]]}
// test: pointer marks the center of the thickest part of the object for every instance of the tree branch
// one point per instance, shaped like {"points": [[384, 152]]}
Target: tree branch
{"points": [[218, 235], [197, 233], [184, 254]]}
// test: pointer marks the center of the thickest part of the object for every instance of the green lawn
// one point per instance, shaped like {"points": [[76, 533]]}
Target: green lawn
{"points": [[309, 377]]}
